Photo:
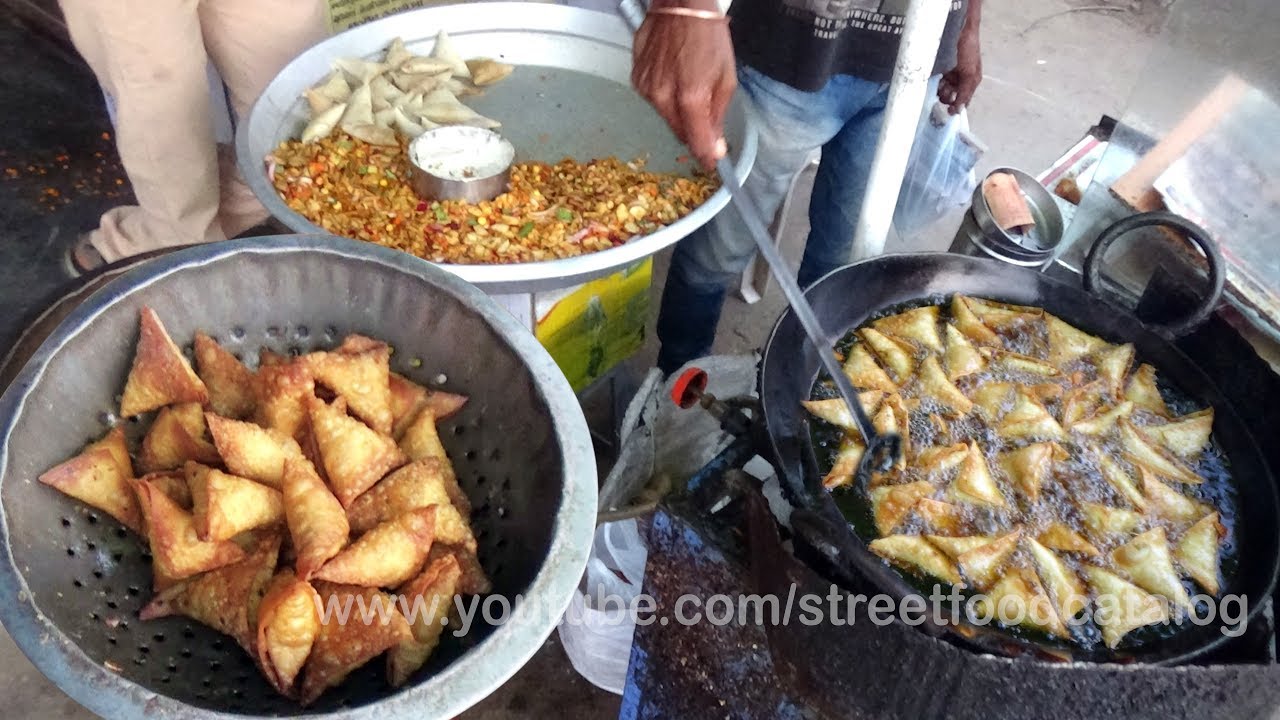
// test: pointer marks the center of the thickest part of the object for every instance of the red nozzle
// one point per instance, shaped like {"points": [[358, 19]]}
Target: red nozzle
{"points": [[689, 388]]}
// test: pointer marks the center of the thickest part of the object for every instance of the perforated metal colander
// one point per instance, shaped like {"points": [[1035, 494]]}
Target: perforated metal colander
{"points": [[72, 580]]}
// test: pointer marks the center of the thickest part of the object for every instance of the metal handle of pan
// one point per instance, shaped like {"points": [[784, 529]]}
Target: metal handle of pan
{"points": [[883, 450], [1196, 234]]}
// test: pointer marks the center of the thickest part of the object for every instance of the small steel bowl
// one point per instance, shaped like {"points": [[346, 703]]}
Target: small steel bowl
{"points": [[458, 163], [1047, 214]]}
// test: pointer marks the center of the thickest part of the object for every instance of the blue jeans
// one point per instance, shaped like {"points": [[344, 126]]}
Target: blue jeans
{"points": [[843, 119]]}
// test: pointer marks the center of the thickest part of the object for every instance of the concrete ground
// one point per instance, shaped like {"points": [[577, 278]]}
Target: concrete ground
{"points": [[1053, 67]]}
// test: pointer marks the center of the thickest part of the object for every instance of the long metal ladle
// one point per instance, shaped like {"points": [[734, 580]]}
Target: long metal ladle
{"points": [[883, 450]]}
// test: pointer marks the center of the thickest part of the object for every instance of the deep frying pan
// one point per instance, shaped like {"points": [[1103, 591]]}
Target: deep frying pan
{"points": [[852, 295]]}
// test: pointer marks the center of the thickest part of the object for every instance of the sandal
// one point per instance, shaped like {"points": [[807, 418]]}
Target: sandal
{"points": [[82, 257]]}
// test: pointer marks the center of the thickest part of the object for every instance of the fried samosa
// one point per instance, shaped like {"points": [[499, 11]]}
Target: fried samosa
{"points": [[1197, 552], [915, 553], [433, 591], [287, 628], [341, 648], [230, 383], [177, 436], [1122, 607], [176, 546], [160, 375], [99, 477], [386, 556], [354, 456], [890, 504], [226, 505], [317, 523], [220, 598]]}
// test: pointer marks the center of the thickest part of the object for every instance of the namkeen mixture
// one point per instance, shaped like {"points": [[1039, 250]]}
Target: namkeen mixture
{"points": [[358, 190], [349, 170], [1041, 469]]}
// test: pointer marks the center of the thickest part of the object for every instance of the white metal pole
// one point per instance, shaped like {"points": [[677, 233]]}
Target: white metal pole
{"points": [[921, 35]]}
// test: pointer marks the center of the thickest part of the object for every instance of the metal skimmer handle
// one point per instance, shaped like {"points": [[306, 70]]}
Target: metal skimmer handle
{"points": [[882, 450]]}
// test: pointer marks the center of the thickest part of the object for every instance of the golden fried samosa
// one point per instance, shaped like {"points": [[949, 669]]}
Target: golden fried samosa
{"points": [[1059, 536], [317, 523], [422, 440], [473, 580], [1027, 467], [221, 597], [281, 392], [941, 517], [341, 648], [935, 386], [994, 399], [1102, 422], [970, 325], [1147, 561], [865, 373], [962, 358], [176, 547], [1004, 315], [386, 556], [1105, 521], [1113, 365], [1083, 402], [176, 437], [844, 467], [230, 383], [974, 483], [915, 553], [982, 565], [422, 483], [251, 451], [1143, 392], [362, 379], [919, 326], [226, 505], [1167, 503], [287, 627], [98, 478], [1029, 420], [1065, 588], [433, 591], [1186, 436], [897, 356], [174, 484], [890, 504], [955, 546], [836, 412], [354, 455], [407, 400], [1197, 552], [1121, 606], [938, 460], [486, 71], [1019, 595], [1146, 454], [160, 375], [1017, 362], [1120, 480], [1068, 343]]}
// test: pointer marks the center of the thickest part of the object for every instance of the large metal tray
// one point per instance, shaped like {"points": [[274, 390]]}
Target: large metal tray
{"points": [[569, 96]]}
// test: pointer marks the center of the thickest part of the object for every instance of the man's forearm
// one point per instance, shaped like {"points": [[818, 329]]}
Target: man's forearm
{"points": [[973, 16]]}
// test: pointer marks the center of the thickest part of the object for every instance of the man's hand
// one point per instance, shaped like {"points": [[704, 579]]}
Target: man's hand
{"points": [[956, 88], [684, 66]]}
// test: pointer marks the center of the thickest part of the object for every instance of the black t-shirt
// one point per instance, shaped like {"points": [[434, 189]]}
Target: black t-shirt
{"points": [[804, 42]]}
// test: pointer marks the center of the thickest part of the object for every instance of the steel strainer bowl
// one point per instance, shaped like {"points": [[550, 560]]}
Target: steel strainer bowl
{"points": [[72, 580]]}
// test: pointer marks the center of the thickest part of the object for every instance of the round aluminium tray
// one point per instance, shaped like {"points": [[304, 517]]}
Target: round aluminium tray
{"points": [[71, 582], [570, 95]]}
